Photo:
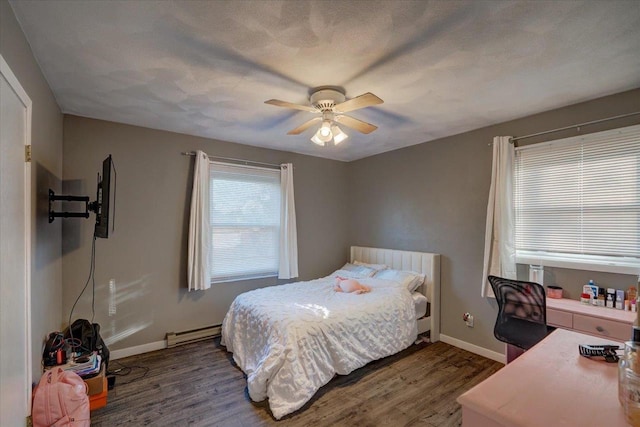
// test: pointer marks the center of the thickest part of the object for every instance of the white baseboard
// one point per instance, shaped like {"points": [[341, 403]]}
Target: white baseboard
{"points": [[138, 349], [160, 345], [489, 354]]}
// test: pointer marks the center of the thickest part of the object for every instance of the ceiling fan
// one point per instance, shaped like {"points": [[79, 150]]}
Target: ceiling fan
{"points": [[331, 103]]}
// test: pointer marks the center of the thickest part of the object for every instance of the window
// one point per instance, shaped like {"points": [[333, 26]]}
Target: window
{"points": [[577, 202], [245, 221]]}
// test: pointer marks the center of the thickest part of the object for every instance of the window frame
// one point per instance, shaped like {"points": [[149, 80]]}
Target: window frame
{"points": [[248, 276], [609, 264]]}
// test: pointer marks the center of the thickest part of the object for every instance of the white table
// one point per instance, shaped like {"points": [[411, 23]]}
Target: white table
{"points": [[549, 385]]}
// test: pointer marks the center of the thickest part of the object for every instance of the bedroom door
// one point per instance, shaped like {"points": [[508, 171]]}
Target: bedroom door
{"points": [[15, 256]]}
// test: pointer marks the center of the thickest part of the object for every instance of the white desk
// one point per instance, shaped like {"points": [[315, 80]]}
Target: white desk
{"points": [[599, 321], [549, 385], [569, 314]]}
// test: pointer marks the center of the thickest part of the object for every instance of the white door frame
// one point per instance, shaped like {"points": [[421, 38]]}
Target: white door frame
{"points": [[26, 101]]}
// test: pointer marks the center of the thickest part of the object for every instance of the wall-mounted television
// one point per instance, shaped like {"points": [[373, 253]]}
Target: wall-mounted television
{"points": [[104, 206]]}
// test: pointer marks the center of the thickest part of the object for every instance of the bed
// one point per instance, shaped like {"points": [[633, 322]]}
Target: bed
{"points": [[292, 339]]}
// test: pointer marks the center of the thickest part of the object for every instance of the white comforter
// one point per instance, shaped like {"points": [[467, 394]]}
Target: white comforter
{"points": [[292, 339]]}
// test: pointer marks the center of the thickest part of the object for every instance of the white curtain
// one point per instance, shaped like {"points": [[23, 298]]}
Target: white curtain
{"points": [[199, 273], [288, 267], [499, 239]]}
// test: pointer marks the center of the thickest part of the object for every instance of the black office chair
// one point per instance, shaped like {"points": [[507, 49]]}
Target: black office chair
{"points": [[522, 315]]}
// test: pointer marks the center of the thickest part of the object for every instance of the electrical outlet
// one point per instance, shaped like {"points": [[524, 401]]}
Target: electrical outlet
{"points": [[468, 319]]}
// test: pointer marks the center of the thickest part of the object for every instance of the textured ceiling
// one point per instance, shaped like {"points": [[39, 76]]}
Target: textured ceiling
{"points": [[442, 67]]}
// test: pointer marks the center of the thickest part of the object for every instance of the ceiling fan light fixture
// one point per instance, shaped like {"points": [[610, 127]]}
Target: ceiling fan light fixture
{"points": [[317, 140], [323, 134], [338, 135], [325, 130]]}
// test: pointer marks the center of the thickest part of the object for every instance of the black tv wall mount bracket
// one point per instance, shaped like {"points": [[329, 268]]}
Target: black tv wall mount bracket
{"points": [[88, 206]]}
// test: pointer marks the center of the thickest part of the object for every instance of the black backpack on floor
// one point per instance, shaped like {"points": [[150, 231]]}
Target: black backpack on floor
{"points": [[87, 339]]}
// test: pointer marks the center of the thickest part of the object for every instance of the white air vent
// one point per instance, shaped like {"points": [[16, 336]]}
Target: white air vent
{"points": [[178, 338]]}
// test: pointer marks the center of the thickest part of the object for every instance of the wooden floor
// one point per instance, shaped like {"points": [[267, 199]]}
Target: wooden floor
{"points": [[199, 385]]}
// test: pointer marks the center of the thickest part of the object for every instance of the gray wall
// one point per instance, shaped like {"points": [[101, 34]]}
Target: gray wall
{"points": [[433, 197], [147, 253], [46, 172], [429, 197]]}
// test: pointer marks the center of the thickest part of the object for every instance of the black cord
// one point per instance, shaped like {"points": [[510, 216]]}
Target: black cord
{"points": [[57, 341], [123, 370], [93, 286], [74, 343], [92, 267]]}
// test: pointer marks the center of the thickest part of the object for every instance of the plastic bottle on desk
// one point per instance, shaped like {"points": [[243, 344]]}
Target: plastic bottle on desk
{"points": [[593, 290], [601, 297], [609, 298]]}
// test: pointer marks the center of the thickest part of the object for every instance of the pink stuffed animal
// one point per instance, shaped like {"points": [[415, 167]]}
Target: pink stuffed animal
{"points": [[350, 286]]}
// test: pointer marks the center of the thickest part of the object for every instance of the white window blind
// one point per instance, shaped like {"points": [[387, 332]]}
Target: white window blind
{"points": [[245, 221], [577, 202]]}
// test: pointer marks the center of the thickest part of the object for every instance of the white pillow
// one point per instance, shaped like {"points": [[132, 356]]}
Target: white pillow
{"points": [[374, 283], [409, 279], [376, 267], [356, 271]]}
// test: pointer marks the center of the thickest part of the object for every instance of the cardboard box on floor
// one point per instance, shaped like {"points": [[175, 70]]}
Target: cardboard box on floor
{"points": [[96, 385], [98, 401]]}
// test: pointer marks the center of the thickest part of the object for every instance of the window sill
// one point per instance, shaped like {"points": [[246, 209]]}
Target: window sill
{"points": [[244, 278], [623, 266]]}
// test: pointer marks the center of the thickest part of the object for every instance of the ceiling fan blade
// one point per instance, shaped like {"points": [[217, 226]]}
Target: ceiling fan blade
{"points": [[306, 125], [365, 100], [356, 124], [286, 104]]}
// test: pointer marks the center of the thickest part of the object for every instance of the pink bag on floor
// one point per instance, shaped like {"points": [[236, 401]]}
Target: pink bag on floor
{"points": [[60, 399]]}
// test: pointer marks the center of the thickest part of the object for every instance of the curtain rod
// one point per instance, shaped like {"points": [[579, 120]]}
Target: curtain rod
{"points": [[246, 162], [578, 126]]}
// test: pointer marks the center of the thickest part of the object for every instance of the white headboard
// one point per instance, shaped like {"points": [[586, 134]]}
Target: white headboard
{"points": [[420, 262]]}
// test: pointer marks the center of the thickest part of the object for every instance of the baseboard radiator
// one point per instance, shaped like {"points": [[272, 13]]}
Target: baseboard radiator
{"points": [[179, 338]]}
